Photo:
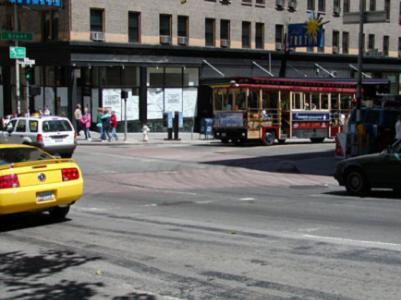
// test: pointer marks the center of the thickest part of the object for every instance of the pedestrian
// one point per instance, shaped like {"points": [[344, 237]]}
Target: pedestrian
{"points": [[46, 111], [106, 125], [145, 131], [77, 117], [86, 123], [99, 123], [113, 123], [398, 129]]}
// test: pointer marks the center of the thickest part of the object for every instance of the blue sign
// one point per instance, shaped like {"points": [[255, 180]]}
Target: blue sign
{"points": [[229, 119], [52, 3], [311, 117], [298, 36]]}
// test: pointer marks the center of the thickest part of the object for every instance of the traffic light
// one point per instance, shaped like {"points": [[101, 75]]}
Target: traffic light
{"points": [[28, 74]]}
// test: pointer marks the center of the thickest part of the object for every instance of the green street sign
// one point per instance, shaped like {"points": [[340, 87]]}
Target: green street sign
{"points": [[15, 36], [17, 52]]}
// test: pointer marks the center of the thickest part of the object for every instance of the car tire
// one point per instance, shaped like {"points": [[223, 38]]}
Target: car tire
{"points": [[356, 183], [269, 138], [59, 213]]}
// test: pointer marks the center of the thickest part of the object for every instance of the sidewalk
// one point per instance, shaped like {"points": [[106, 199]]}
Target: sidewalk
{"points": [[136, 138]]}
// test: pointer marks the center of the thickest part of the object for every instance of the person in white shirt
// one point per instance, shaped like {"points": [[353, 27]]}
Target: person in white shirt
{"points": [[398, 129]]}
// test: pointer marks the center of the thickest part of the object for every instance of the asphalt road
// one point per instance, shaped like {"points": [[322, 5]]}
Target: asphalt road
{"points": [[207, 222]]}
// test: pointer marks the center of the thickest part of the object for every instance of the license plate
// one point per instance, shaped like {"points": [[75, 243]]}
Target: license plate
{"points": [[58, 140], [45, 196]]}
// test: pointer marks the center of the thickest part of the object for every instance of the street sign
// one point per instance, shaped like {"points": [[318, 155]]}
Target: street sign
{"points": [[370, 17], [17, 52], [27, 62], [51, 3], [15, 36]]}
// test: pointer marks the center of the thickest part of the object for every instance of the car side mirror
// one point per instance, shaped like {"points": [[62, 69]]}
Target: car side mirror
{"points": [[9, 129]]}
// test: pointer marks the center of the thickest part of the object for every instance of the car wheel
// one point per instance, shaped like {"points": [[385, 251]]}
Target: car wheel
{"points": [[59, 212], [269, 138], [356, 183]]}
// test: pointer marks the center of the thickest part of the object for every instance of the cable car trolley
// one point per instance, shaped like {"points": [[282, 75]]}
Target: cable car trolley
{"points": [[275, 109]]}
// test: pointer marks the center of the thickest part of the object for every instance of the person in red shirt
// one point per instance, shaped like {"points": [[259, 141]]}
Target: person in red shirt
{"points": [[113, 123]]}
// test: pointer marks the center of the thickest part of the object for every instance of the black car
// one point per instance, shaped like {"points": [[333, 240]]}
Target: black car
{"points": [[379, 170]]}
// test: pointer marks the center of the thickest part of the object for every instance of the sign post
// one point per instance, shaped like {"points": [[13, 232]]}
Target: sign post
{"points": [[124, 96]]}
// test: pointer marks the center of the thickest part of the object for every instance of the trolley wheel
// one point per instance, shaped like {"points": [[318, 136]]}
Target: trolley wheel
{"points": [[317, 140], [268, 138], [281, 141]]}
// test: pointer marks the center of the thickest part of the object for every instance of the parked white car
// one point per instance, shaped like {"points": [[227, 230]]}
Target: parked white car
{"points": [[55, 135]]}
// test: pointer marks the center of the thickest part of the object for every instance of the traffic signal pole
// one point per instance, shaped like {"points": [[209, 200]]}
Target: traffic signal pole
{"points": [[17, 75]]}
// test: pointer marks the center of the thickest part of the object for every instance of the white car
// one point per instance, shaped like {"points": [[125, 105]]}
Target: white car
{"points": [[55, 135]]}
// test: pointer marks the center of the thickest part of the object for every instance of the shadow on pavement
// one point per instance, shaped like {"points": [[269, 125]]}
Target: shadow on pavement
{"points": [[317, 163], [27, 220], [381, 194], [27, 276], [136, 296]]}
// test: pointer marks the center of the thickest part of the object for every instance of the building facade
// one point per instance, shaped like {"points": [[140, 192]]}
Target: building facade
{"points": [[161, 51]]}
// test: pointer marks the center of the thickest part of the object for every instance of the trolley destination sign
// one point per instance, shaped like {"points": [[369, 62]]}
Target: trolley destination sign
{"points": [[15, 36]]}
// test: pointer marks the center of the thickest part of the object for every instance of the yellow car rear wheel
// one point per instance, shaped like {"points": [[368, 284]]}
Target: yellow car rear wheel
{"points": [[59, 212]]}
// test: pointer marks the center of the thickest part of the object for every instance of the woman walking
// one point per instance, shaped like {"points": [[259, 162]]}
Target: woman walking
{"points": [[99, 123], [106, 125], [86, 123], [113, 122]]}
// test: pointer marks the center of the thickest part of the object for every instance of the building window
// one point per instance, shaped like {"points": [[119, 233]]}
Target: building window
{"points": [[387, 5], [346, 6], [183, 30], [210, 32], [386, 46], [55, 25], [260, 3], [311, 5], [371, 42], [225, 33], [345, 42], [322, 5], [260, 35], [165, 24], [399, 47], [372, 5], [246, 34], [336, 41], [96, 20], [279, 37], [134, 27], [336, 8]]}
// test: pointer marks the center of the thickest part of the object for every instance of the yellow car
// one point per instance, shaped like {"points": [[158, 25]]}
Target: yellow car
{"points": [[33, 180]]}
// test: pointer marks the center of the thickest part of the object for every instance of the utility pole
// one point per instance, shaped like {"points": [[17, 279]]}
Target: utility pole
{"points": [[359, 94]]}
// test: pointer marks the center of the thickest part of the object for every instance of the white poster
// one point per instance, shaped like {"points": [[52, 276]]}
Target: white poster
{"points": [[190, 97], [112, 100], [38, 99], [132, 107], [95, 104], [49, 99], [155, 104], [1, 101], [173, 100]]}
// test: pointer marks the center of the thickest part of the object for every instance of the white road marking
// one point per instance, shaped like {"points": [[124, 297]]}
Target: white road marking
{"points": [[203, 202], [247, 199], [89, 209], [351, 242], [151, 205]]}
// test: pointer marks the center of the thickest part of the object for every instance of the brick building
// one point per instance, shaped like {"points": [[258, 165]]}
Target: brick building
{"points": [[162, 50]]}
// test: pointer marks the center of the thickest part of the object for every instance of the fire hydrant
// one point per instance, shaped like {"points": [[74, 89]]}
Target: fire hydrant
{"points": [[145, 131]]}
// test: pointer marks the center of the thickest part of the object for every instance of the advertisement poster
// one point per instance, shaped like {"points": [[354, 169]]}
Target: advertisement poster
{"points": [[311, 117], [155, 104], [132, 107], [112, 100], [190, 97], [50, 99], [173, 100]]}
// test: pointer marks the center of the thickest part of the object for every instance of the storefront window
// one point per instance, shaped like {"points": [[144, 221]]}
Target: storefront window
{"points": [[155, 77], [130, 77], [50, 78], [173, 77], [191, 77]]}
